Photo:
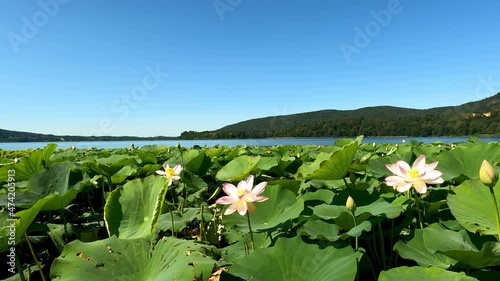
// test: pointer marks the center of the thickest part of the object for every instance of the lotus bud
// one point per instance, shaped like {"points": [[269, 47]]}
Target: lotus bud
{"points": [[487, 174], [16, 160], [178, 145], [350, 204]]}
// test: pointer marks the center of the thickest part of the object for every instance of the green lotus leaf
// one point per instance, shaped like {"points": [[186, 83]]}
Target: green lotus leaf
{"points": [[488, 256], [338, 165], [19, 225], [416, 250], [417, 273], [243, 245], [132, 260], [111, 165], [266, 164], [376, 166], [124, 173], [309, 168], [238, 168], [182, 219], [197, 161], [56, 179], [281, 207], [357, 231], [322, 195], [466, 159], [30, 164], [319, 229], [458, 245], [344, 218], [292, 259], [132, 210], [473, 207]]}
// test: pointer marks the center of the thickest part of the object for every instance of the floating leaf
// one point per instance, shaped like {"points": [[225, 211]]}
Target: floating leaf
{"points": [[131, 259], [295, 260], [419, 273], [238, 168], [472, 205], [132, 210], [337, 166], [416, 250]]}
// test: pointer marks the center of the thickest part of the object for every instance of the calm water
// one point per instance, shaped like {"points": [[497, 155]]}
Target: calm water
{"points": [[263, 142]]}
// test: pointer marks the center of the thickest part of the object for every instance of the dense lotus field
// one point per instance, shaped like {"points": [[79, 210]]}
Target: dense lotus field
{"points": [[349, 211]]}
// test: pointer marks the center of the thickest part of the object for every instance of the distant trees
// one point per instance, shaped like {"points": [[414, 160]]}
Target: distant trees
{"points": [[418, 126]]}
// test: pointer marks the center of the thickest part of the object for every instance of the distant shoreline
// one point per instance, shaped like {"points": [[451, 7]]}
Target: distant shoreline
{"points": [[126, 138]]}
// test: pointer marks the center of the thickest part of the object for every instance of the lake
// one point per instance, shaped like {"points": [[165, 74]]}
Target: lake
{"points": [[231, 142]]}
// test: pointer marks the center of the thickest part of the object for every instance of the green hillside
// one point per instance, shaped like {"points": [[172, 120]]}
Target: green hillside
{"points": [[15, 136], [473, 118]]}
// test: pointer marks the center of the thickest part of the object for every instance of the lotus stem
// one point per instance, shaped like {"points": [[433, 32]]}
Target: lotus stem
{"points": [[345, 182], [418, 211], [20, 268], [355, 224], [382, 245], [251, 233], [63, 217], [171, 220], [371, 266], [392, 240], [496, 212], [183, 183], [355, 242], [34, 257]]}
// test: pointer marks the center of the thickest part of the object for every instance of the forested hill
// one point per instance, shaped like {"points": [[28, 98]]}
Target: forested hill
{"points": [[15, 136], [473, 118]]}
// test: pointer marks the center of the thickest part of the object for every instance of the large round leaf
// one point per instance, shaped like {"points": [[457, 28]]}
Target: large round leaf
{"points": [[20, 224], [458, 245], [419, 273], [131, 259], [132, 211], [337, 166], [466, 159], [416, 250], [473, 206], [238, 168], [56, 179], [295, 260]]}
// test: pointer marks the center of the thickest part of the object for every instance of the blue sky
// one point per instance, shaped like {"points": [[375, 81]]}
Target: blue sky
{"points": [[148, 68]]}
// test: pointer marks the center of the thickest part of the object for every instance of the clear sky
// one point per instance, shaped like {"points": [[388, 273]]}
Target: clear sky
{"points": [[148, 68]]}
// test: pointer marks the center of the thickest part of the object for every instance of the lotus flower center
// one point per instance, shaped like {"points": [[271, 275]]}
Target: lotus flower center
{"points": [[170, 172], [241, 192], [413, 173]]}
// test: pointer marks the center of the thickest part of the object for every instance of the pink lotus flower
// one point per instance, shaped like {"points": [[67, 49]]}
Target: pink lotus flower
{"points": [[241, 197], [172, 174], [417, 176]]}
